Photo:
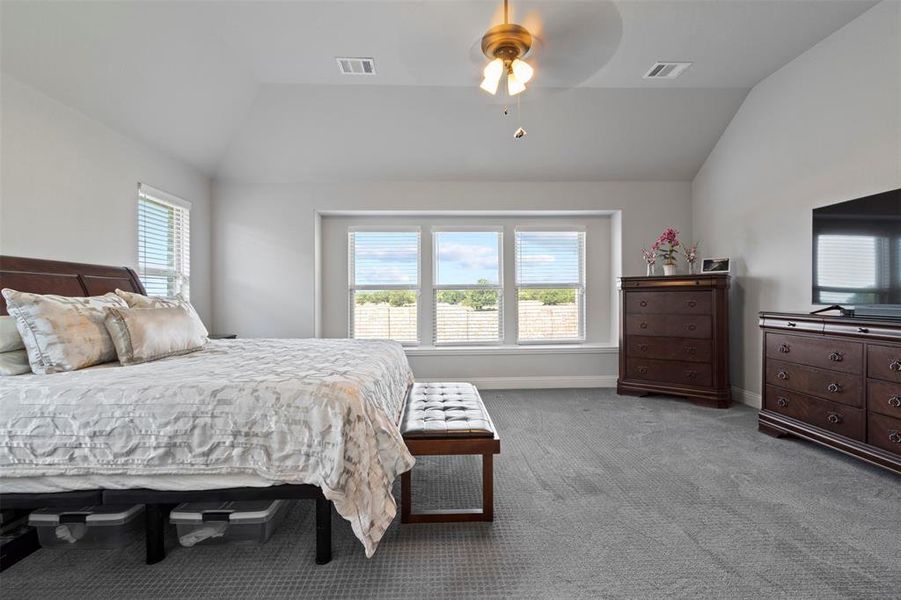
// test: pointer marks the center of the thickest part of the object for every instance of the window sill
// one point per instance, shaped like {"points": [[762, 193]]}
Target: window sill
{"points": [[590, 348]]}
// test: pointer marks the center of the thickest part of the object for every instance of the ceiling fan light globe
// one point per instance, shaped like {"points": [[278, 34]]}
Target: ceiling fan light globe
{"points": [[490, 85], [514, 85], [494, 70], [522, 70]]}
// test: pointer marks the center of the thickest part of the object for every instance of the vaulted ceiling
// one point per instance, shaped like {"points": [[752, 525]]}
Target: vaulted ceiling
{"points": [[251, 91]]}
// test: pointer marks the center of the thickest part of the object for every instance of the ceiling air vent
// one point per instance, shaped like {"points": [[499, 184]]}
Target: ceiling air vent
{"points": [[356, 66], [666, 70]]}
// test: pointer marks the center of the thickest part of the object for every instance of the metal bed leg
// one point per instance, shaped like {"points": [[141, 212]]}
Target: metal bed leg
{"points": [[155, 531], [323, 530]]}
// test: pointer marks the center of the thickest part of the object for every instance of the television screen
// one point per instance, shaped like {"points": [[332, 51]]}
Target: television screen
{"points": [[857, 251]]}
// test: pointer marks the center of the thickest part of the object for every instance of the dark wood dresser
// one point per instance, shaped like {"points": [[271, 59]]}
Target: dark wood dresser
{"points": [[835, 381], [674, 337]]}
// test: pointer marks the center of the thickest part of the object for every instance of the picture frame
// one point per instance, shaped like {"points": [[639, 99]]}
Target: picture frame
{"points": [[715, 265]]}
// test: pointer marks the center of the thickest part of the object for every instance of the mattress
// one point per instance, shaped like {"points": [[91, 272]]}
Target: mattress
{"points": [[238, 413]]}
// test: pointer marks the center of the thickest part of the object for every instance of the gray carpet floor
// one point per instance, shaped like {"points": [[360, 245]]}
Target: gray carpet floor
{"points": [[597, 496]]}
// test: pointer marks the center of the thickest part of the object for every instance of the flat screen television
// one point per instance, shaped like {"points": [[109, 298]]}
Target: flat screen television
{"points": [[857, 254]]}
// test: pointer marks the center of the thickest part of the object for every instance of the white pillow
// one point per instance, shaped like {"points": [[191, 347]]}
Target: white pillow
{"points": [[63, 333], [14, 363], [10, 339], [145, 334]]}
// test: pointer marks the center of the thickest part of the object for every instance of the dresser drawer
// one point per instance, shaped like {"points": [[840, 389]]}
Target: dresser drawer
{"points": [[686, 349], [884, 362], [832, 354], [669, 371], [671, 303], [837, 418], [686, 326], [884, 432], [836, 387], [884, 398]]}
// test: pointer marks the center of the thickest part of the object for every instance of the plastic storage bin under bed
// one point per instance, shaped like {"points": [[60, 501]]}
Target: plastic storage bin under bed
{"points": [[108, 526], [251, 521]]}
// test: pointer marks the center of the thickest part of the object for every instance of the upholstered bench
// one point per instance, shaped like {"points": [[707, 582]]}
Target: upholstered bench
{"points": [[447, 419]]}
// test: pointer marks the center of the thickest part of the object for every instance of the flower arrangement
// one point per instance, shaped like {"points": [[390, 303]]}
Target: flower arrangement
{"points": [[650, 257], [691, 255], [667, 245]]}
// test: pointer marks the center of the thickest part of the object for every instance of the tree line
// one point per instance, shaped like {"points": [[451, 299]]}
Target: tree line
{"points": [[476, 299]]}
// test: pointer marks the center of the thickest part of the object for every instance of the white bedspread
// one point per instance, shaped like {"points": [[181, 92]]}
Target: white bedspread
{"points": [[323, 412]]}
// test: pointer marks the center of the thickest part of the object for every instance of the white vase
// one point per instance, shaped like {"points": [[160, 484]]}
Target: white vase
{"points": [[669, 269]]}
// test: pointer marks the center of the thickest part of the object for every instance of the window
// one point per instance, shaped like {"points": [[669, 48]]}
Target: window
{"points": [[164, 243], [550, 285], [384, 284], [468, 286]]}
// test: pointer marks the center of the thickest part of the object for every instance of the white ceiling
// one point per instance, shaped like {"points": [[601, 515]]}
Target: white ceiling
{"points": [[250, 90]]}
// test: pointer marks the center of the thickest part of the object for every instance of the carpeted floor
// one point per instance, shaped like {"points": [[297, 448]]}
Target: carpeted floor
{"points": [[597, 496]]}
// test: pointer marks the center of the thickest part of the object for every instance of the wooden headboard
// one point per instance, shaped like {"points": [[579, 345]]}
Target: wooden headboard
{"points": [[63, 278]]}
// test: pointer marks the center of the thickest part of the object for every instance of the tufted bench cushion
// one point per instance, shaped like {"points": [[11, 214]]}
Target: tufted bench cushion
{"points": [[437, 410]]}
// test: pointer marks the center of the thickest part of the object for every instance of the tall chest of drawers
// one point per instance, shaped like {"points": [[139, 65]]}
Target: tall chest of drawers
{"points": [[674, 337], [835, 381]]}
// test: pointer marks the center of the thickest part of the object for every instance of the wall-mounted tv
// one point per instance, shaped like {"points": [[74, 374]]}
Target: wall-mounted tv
{"points": [[857, 254]]}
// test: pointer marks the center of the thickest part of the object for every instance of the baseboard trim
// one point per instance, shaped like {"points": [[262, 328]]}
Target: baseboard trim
{"points": [[747, 398], [533, 383]]}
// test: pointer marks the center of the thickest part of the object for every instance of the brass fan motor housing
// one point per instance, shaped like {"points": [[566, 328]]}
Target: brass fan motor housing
{"points": [[508, 42]]}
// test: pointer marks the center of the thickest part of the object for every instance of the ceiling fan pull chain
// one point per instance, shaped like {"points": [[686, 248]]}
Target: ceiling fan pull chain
{"points": [[520, 132]]}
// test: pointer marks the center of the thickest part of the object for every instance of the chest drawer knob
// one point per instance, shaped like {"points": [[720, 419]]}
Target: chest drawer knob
{"points": [[894, 401], [692, 304], [834, 418], [691, 350], [643, 347], [782, 375], [692, 327], [783, 402], [836, 357], [834, 388], [643, 303], [895, 365], [643, 370], [785, 348], [643, 325], [895, 437], [691, 374]]}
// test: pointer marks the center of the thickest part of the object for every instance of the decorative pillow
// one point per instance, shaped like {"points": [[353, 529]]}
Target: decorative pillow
{"points": [[14, 363], [10, 339], [63, 333], [141, 301], [145, 334]]}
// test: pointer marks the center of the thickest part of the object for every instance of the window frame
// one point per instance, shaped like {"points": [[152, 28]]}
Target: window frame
{"points": [[352, 287], [499, 287], [581, 287], [181, 240]]}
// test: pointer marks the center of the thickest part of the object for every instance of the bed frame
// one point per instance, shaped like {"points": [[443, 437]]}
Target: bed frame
{"points": [[76, 279]]}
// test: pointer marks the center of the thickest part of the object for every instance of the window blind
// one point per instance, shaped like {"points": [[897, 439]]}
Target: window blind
{"points": [[468, 286], [851, 268], [550, 285], [164, 243], [384, 284]]}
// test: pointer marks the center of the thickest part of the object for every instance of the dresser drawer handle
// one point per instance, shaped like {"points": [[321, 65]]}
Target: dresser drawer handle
{"points": [[692, 327], [894, 401], [643, 325], [643, 370], [895, 437], [643, 303], [643, 347], [692, 304], [895, 365], [783, 402], [834, 418], [834, 388], [785, 348], [691, 374], [836, 357], [782, 375]]}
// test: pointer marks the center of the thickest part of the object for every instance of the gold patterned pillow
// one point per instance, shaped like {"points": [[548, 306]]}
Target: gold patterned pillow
{"points": [[145, 334], [141, 301], [63, 333]]}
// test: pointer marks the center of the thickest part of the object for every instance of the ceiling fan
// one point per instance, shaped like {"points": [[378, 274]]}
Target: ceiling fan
{"points": [[507, 45]]}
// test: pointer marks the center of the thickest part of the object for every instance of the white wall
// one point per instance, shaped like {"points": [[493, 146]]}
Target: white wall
{"points": [[265, 255], [68, 188], [823, 129]]}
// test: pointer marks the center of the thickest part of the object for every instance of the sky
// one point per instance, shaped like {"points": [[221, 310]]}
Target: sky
{"points": [[383, 258]]}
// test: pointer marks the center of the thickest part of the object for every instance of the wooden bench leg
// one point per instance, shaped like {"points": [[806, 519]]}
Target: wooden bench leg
{"points": [[323, 530], [486, 513]]}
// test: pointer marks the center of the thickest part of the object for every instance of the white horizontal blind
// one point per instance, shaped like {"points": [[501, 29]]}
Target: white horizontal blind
{"points": [[384, 284], [468, 286], [851, 269], [164, 243], [550, 285]]}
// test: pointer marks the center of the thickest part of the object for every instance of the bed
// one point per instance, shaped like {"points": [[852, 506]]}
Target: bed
{"points": [[240, 419]]}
